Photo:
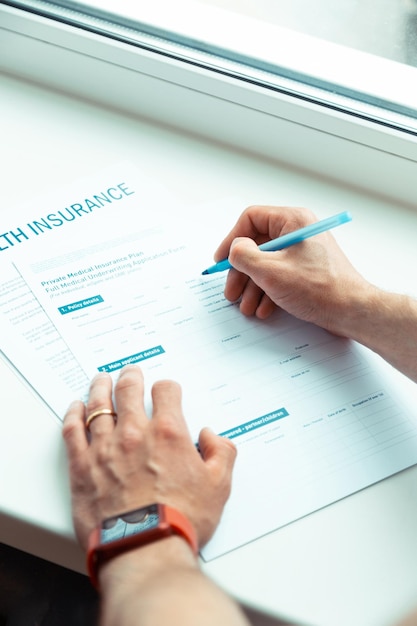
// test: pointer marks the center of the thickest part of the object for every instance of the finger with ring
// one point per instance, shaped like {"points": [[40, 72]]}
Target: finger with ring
{"points": [[97, 413]]}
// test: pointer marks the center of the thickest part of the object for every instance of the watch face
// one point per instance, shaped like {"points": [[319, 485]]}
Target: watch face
{"points": [[130, 523]]}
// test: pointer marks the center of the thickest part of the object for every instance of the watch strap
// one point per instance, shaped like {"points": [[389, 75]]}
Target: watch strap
{"points": [[171, 522]]}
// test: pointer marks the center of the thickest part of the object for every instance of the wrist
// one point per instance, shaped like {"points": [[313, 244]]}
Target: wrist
{"points": [[130, 571], [354, 314], [162, 583], [384, 322]]}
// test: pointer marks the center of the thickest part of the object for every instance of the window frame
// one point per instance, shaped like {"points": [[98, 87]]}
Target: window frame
{"points": [[215, 104], [300, 65]]}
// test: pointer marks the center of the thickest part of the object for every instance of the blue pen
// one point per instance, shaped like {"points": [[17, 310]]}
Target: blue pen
{"points": [[290, 238]]}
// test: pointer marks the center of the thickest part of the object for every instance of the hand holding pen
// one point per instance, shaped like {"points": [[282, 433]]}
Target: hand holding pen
{"points": [[311, 280], [290, 239]]}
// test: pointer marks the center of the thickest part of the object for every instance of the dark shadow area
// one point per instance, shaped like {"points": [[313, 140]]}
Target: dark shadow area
{"points": [[34, 592]]}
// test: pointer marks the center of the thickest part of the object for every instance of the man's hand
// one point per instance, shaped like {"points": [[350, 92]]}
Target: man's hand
{"points": [[312, 280], [135, 461]]}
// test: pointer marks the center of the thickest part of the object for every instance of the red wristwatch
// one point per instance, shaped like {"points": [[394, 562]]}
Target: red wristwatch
{"points": [[133, 529]]}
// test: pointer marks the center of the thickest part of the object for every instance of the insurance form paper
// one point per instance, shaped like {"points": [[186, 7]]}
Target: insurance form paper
{"points": [[28, 339], [33, 346], [315, 417]]}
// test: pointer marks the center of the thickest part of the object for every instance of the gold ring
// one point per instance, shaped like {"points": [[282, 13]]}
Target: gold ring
{"points": [[97, 413]]}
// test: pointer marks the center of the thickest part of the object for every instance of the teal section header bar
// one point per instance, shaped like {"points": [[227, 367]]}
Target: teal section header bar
{"points": [[133, 358], [258, 422], [81, 304]]}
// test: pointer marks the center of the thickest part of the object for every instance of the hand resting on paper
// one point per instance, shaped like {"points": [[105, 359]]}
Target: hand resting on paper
{"points": [[124, 461], [315, 281]]}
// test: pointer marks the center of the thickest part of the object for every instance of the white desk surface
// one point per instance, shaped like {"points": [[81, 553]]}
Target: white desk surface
{"points": [[353, 562]]}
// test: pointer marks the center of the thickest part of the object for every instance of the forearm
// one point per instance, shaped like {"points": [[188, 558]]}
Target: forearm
{"points": [[384, 322], [162, 583]]}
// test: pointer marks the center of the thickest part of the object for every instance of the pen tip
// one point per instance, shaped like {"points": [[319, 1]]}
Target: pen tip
{"points": [[205, 272]]}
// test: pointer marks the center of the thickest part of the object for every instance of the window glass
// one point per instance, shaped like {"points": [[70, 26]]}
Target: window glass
{"points": [[387, 28]]}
